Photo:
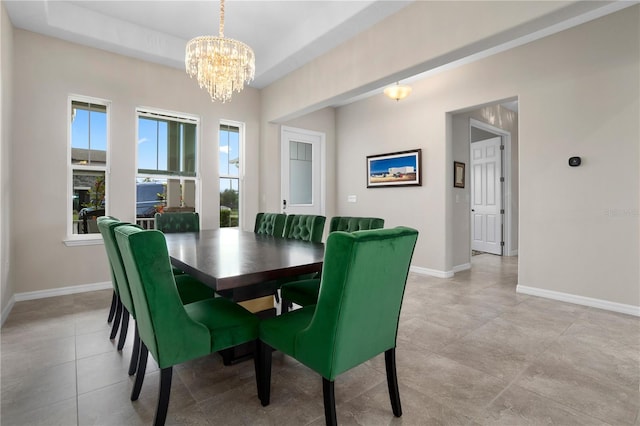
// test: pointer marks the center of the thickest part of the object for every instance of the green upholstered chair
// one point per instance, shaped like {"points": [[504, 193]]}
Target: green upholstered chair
{"points": [[189, 289], [270, 224], [115, 298], [356, 317], [305, 292], [173, 222], [172, 332], [177, 222], [304, 227]]}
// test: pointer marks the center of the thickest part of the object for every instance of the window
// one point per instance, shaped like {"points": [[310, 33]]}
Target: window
{"points": [[229, 170], [167, 175], [88, 163]]}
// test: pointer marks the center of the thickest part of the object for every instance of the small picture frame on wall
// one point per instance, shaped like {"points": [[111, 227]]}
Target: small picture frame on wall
{"points": [[458, 174], [395, 169]]}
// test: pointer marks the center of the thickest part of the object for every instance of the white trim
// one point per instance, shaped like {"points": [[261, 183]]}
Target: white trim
{"points": [[580, 300], [506, 168], [62, 291], [460, 268], [95, 240], [431, 272], [7, 310], [513, 252]]}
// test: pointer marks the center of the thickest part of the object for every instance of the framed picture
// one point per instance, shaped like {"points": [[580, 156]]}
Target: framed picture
{"points": [[395, 169], [458, 174]]}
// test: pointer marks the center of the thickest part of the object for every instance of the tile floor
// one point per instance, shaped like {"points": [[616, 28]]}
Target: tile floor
{"points": [[470, 351]]}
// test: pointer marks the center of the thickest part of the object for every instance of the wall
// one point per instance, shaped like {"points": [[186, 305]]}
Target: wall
{"points": [[6, 94], [501, 118], [49, 71], [578, 94]]}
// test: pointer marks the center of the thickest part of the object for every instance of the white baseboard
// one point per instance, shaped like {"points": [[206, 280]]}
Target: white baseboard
{"points": [[463, 267], [513, 252], [62, 291], [431, 272], [580, 300], [7, 310]]}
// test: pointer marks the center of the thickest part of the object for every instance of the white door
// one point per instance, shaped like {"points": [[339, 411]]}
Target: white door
{"points": [[302, 174], [486, 196]]}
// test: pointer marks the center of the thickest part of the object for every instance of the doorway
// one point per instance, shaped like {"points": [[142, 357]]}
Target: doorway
{"points": [[491, 215], [302, 174]]}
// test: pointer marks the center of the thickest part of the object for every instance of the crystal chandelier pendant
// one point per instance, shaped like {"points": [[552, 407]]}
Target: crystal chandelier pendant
{"points": [[221, 65]]}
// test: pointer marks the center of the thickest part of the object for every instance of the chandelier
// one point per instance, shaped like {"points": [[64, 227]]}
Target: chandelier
{"points": [[221, 65]]}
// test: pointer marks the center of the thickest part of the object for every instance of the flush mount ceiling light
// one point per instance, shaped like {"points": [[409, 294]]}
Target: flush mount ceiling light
{"points": [[221, 65], [397, 92]]}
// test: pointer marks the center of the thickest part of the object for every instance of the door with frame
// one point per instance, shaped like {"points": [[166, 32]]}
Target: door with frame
{"points": [[302, 171]]}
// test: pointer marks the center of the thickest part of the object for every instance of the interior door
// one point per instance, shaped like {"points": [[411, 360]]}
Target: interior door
{"points": [[302, 173], [486, 196]]}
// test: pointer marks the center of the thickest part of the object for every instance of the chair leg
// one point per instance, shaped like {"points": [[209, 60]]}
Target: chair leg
{"points": [[262, 360], [116, 321], [163, 398], [142, 368], [124, 327], [392, 381], [285, 306], [112, 309], [330, 417], [135, 355]]}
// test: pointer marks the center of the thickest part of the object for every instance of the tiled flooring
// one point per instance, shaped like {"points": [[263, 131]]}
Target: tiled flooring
{"points": [[470, 351]]}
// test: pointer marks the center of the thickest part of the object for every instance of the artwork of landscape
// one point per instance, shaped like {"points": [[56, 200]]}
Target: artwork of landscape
{"points": [[395, 169]]}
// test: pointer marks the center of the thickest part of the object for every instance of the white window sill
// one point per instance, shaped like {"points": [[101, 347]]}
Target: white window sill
{"points": [[91, 241]]}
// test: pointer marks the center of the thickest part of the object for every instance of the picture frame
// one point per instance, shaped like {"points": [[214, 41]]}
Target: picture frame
{"points": [[458, 174], [402, 168]]}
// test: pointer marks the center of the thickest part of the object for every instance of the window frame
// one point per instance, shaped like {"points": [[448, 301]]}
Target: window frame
{"points": [[241, 170], [182, 117], [73, 239]]}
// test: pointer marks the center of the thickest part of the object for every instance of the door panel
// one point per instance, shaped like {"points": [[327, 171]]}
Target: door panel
{"points": [[302, 171], [486, 196]]}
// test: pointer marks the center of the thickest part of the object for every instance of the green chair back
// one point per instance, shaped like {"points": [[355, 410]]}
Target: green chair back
{"points": [[352, 224], [107, 226], [177, 222], [168, 332], [304, 227], [362, 286], [270, 224]]}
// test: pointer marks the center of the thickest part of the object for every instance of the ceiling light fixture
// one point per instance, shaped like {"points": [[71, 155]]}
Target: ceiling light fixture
{"points": [[221, 65], [398, 91]]}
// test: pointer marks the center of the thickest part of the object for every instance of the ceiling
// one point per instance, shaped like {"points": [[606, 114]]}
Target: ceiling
{"points": [[283, 34]]}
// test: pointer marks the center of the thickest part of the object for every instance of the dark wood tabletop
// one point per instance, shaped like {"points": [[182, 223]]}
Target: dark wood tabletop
{"points": [[228, 258]]}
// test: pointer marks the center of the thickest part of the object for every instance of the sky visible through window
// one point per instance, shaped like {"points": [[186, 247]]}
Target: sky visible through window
{"points": [[229, 166], [89, 130]]}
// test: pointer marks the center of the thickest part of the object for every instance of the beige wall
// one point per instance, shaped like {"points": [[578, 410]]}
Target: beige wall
{"points": [[6, 89], [504, 119], [49, 71], [578, 94]]}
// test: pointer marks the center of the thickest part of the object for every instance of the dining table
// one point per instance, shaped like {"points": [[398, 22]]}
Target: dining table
{"points": [[242, 265]]}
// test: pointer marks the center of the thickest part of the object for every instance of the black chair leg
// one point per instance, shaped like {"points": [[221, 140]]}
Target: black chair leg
{"points": [[124, 327], [116, 320], [141, 370], [285, 306], [112, 309], [135, 355], [262, 359], [392, 381], [330, 417], [163, 398]]}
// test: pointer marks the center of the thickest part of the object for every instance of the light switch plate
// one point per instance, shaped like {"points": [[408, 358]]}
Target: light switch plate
{"points": [[352, 198]]}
